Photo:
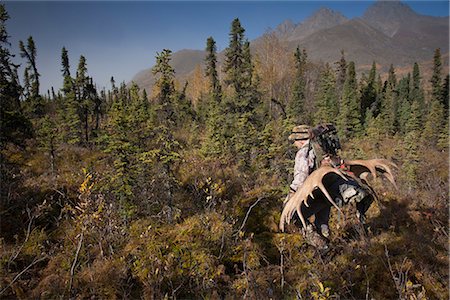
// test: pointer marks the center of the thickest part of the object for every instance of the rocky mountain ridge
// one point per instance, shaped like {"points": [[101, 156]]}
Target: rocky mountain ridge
{"points": [[389, 32]]}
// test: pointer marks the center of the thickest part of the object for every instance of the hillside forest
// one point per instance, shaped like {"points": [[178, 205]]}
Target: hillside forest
{"points": [[176, 193]]}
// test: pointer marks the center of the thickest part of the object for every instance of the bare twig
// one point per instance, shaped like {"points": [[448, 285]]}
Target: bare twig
{"points": [[72, 269], [35, 261], [248, 213], [368, 282], [395, 278], [281, 249], [31, 218]]}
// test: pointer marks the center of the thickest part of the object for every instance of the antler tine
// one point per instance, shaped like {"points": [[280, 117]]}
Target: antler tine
{"points": [[384, 166], [313, 181], [374, 165]]}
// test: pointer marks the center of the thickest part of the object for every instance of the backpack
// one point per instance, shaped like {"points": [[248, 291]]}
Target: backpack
{"points": [[325, 135]]}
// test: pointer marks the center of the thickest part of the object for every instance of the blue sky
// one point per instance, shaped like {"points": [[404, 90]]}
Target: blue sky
{"points": [[120, 38]]}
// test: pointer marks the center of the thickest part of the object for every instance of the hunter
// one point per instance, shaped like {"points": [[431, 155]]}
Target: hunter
{"points": [[318, 146]]}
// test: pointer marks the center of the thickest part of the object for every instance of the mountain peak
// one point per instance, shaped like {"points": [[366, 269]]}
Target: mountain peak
{"points": [[286, 27], [390, 9], [324, 14], [322, 19], [388, 16]]}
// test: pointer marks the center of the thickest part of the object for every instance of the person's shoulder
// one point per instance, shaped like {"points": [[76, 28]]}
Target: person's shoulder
{"points": [[302, 152]]}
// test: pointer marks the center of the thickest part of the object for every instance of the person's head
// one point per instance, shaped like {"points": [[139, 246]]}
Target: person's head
{"points": [[300, 135]]}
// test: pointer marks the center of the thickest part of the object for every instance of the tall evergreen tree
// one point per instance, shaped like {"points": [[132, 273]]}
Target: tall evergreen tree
{"points": [[68, 81], [326, 98], [349, 119], [341, 73], [69, 112], [389, 103], [215, 143], [31, 77], [368, 92], [211, 69], [404, 102], [241, 107], [165, 84], [85, 94], [165, 145], [29, 52], [436, 120], [413, 132], [15, 128], [296, 106], [436, 77], [417, 93], [234, 61]]}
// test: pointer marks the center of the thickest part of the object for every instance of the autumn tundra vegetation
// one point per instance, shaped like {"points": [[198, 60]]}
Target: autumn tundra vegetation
{"points": [[130, 193]]}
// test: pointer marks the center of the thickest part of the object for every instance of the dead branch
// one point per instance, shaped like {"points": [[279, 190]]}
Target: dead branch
{"points": [[248, 213], [31, 218], [35, 261], [72, 269]]}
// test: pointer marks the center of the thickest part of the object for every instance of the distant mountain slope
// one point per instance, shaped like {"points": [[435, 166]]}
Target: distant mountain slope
{"points": [[324, 18], [353, 37], [389, 32], [409, 30], [183, 61]]}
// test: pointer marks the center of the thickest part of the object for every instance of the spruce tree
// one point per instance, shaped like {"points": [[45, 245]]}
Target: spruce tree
{"points": [[349, 119], [411, 144], [435, 120], [211, 69], [417, 93], [85, 95], [29, 52], [165, 84], [69, 112], [48, 136], [326, 98], [14, 126], [68, 81], [31, 77], [296, 106], [389, 103], [215, 143], [436, 77], [242, 105], [166, 147], [368, 92], [122, 149], [404, 102], [234, 64], [435, 123], [341, 73]]}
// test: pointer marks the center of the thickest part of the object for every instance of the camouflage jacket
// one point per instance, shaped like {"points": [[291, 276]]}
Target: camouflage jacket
{"points": [[305, 164]]}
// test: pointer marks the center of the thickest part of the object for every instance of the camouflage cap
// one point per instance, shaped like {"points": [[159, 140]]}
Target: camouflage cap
{"points": [[301, 132]]}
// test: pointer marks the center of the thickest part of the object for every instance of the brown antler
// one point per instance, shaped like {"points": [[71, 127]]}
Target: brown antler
{"points": [[362, 168], [313, 181]]}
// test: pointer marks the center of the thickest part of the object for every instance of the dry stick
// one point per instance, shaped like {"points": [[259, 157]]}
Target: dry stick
{"points": [[72, 269], [35, 261], [282, 265], [397, 286], [248, 213], [13, 257], [368, 282]]}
